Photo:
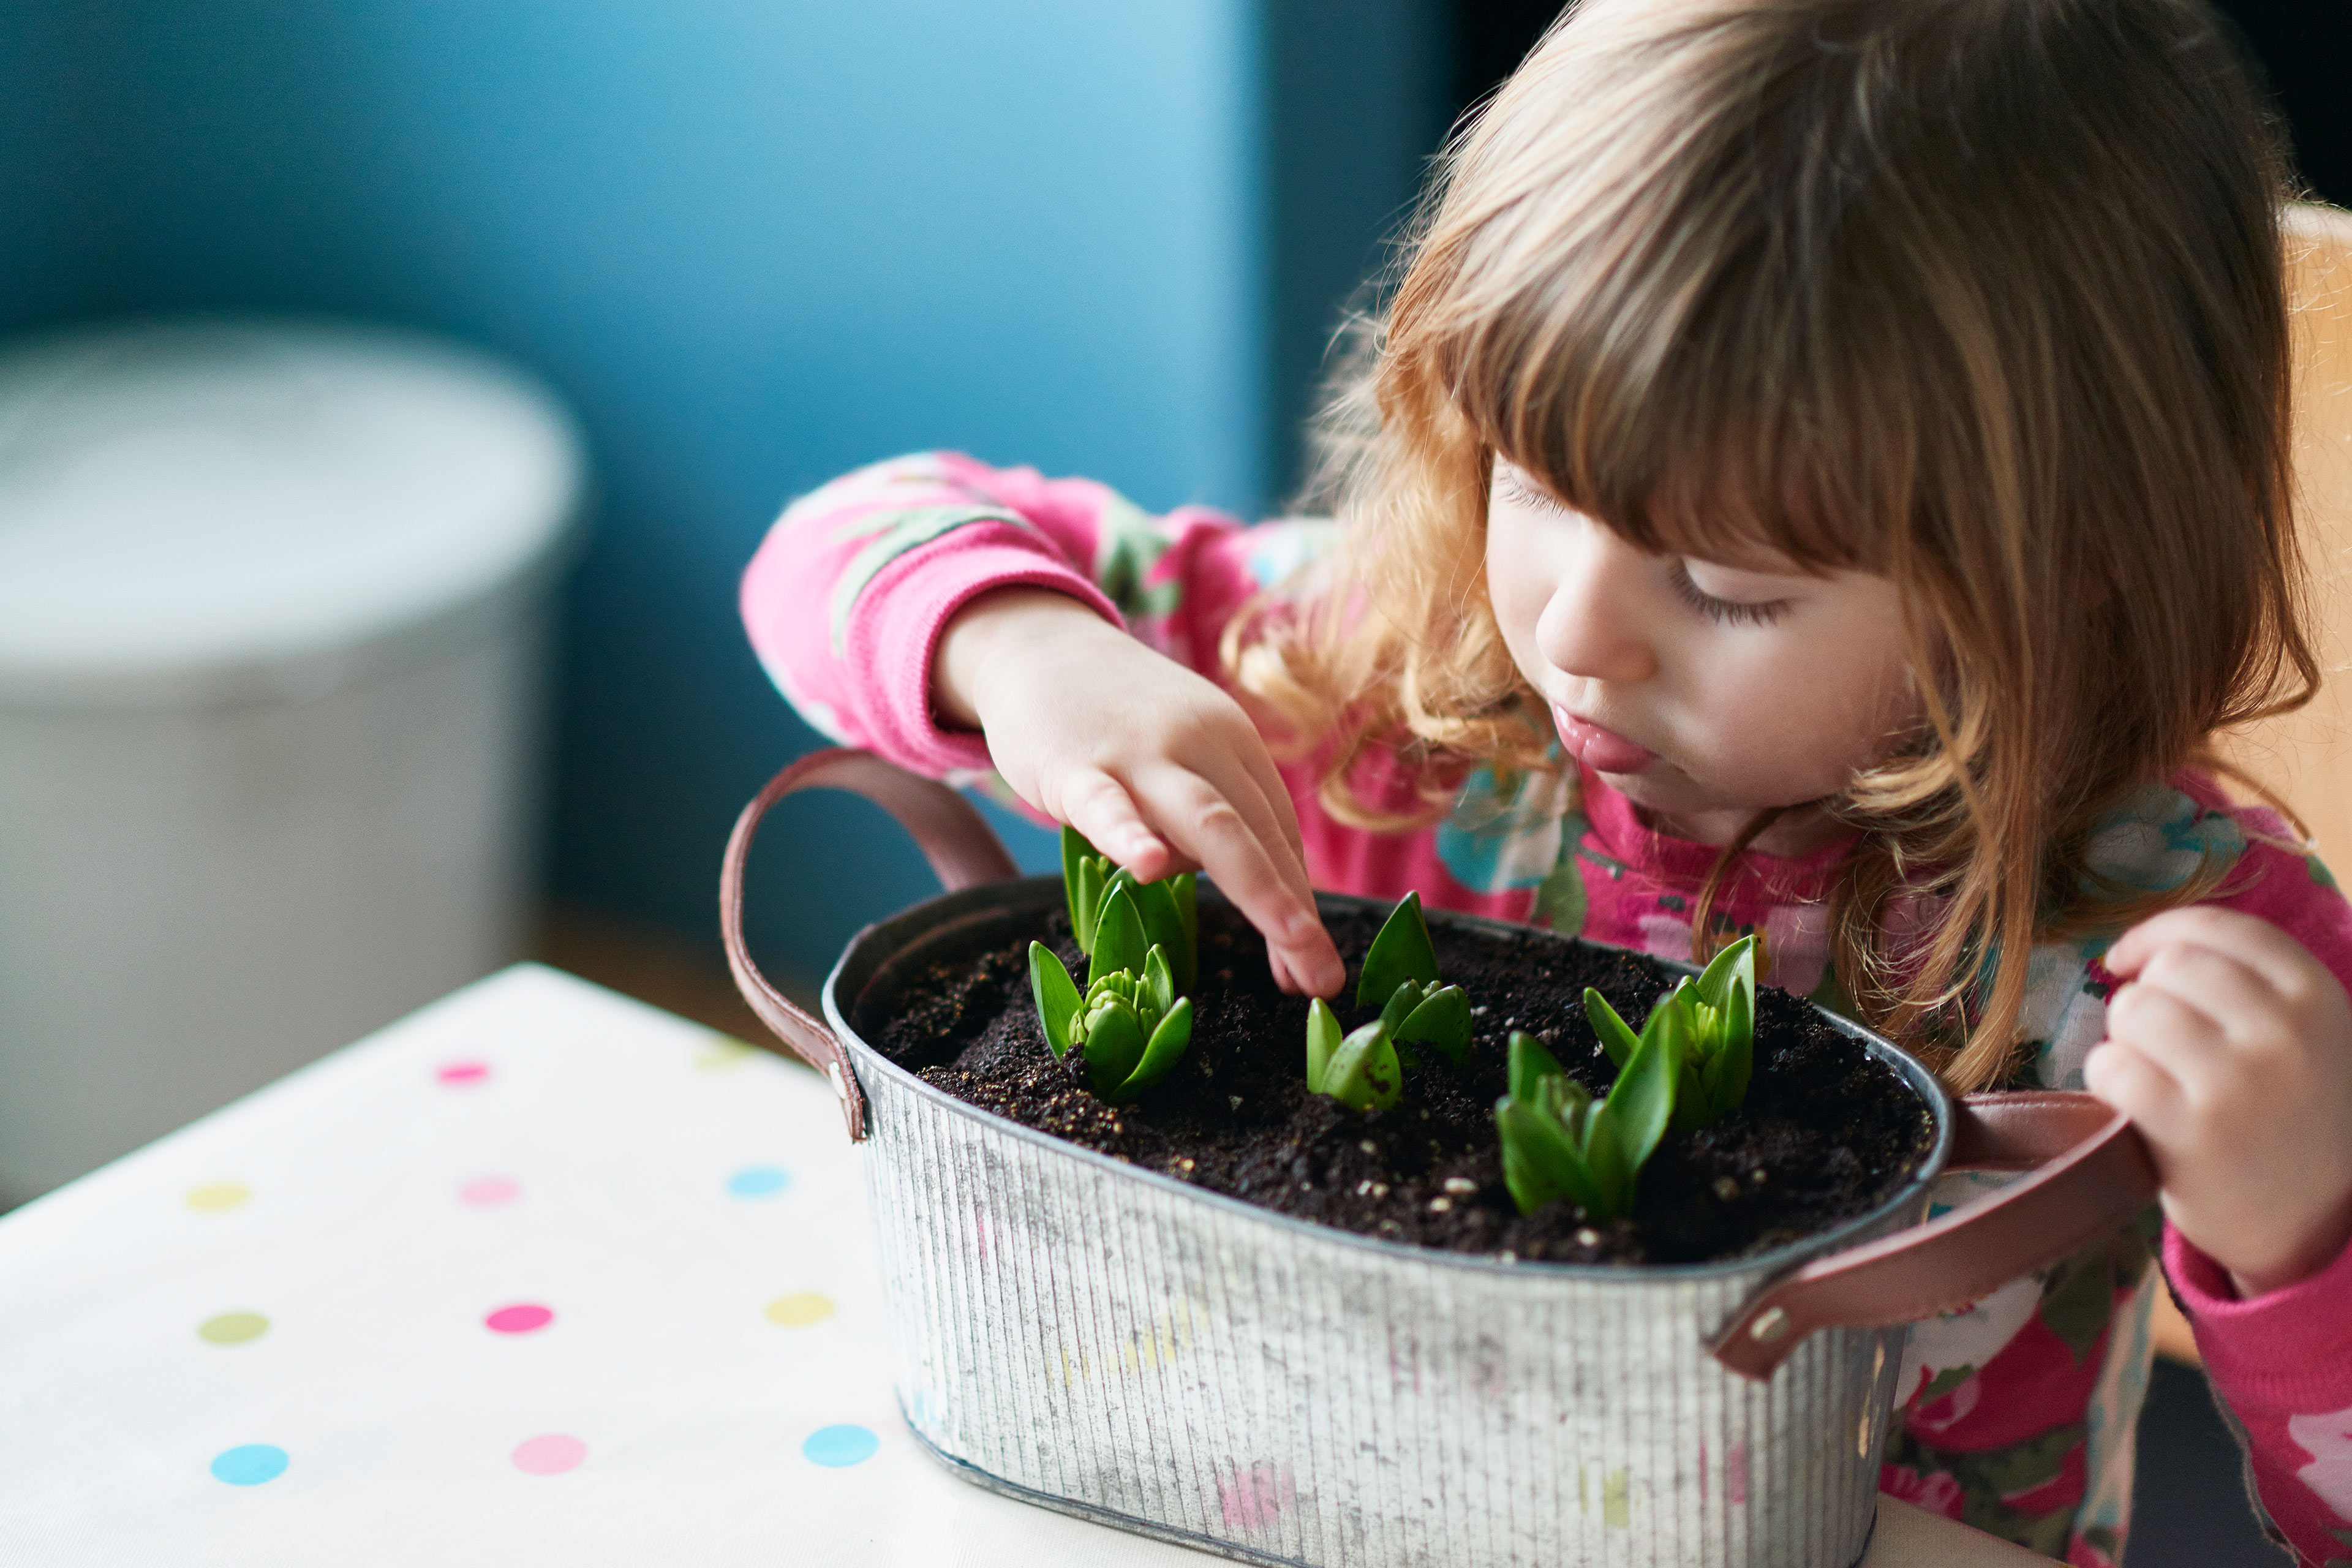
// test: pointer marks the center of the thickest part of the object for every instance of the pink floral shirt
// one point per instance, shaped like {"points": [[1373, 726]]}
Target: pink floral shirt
{"points": [[2019, 1412]]}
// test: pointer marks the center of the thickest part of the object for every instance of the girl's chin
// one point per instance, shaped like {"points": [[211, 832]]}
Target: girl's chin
{"points": [[1660, 788], [1646, 790]]}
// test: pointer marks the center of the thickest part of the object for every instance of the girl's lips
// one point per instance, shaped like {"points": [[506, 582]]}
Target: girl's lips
{"points": [[1603, 750]]}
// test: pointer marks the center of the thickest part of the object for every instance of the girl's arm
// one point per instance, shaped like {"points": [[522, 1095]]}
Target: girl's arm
{"points": [[2230, 1046], [953, 617]]}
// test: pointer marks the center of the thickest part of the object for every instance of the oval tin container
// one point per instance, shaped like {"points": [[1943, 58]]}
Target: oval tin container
{"points": [[1112, 1342]]}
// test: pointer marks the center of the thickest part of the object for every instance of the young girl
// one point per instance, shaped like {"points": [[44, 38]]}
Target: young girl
{"points": [[1822, 474]]}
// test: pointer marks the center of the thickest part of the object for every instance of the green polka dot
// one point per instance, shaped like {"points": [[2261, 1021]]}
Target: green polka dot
{"points": [[232, 1328], [800, 1309]]}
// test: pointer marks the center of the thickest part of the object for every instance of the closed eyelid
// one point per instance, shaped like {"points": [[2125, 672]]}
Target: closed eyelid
{"points": [[1747, 581], [1734, 612]]}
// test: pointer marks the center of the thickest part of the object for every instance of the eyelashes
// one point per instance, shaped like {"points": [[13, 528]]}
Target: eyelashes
{"points": [[1726, 612], [1521, 493]]}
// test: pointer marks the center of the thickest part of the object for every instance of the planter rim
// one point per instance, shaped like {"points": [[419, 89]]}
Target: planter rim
{"points": [[945, 913]]}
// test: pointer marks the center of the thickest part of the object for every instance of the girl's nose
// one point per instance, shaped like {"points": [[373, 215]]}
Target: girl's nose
{"points": [[1595, 627]]}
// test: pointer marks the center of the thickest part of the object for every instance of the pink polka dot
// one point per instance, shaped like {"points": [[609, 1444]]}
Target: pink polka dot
{"points": [[489, 1192], [523, 1317], [457, 1075], [551, 1455]]}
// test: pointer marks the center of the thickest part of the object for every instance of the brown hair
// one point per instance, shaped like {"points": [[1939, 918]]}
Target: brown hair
{"points": [[1981, 295]]}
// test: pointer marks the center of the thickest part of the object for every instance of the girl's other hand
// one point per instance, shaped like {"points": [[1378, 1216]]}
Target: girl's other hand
{"points": [[2231, 1047], [1157, 766]]}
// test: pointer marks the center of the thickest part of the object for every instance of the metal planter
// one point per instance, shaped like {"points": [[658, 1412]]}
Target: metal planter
{"points": [[1115, 1344]]}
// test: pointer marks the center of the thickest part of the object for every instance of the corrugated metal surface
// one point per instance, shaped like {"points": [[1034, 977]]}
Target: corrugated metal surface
{"points": [[1112, 1342]]}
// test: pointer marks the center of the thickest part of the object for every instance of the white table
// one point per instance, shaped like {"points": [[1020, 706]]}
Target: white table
{"points": [[537, 1277]]}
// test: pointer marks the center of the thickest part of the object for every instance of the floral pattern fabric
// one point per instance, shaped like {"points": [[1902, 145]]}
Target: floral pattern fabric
{"points": [[2017, 1414]]}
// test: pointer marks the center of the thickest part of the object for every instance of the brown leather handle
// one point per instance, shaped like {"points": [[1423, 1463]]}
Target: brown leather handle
{"points": [[954, 838], [2091, 1172]]}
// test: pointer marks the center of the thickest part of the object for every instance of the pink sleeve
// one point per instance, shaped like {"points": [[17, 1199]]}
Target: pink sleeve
{"points": [[2282, 1361], [848, 594], [2283, 1364]]}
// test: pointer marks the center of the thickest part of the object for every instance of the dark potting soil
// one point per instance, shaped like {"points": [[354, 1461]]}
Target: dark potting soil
{"points": [[1825, 1134]]}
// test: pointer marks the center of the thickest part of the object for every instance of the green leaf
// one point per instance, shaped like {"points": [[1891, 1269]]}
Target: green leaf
{"points": [[1708, 1076], [1160, 984], [1180, 887], [1162, 1053], [1400, 952], [1085, 903], [1163, 926], [1363, 1072], [1076, 853], [1322, 1039], [1401, 1003], [1616, 1037], [1642, 1101], [1692, 1098], [1737, 1055], [1720, 1010], [1119, 936], [1407, 997], [1443, 1019], [1056, 996], [1605, 1155], [1540, 1165], [1723, 1077], [1114, 1046], [1531, 1063], [1682, 1001], [1563, 1097], [1727, 969]]}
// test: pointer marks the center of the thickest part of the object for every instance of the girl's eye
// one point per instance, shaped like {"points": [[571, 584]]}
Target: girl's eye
{"points": [[1728, 612]]}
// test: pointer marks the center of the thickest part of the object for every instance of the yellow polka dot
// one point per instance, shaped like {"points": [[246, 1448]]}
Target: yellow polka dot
{"points": [[721, 1053], [232, 1328], [801, 1308], [214, 1197]]}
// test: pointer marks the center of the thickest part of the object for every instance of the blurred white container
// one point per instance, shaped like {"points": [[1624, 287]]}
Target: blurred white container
{"points": [[273, 627]]}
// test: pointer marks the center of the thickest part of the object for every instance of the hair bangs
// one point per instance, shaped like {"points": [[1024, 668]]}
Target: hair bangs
{"points": [[1703, 401]]}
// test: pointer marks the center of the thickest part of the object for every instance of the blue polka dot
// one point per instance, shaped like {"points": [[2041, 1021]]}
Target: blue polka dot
{"points": [[250, 1464], [759, 1182], [838, 1445]]}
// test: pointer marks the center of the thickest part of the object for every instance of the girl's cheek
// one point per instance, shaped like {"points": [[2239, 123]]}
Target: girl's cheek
{"points": [[1517, 595]]}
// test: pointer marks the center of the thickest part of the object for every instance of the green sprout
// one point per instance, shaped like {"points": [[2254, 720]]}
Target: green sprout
{"points": [[1362, 1071], [1706, 1026], [1167, 907], [1558, 1143], [1400, 978], [1366, 1070], [1130, 1025]]}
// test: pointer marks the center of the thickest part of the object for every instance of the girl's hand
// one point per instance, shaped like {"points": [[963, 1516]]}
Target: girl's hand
{"points": [[2230, 1048], [1157, 766]]}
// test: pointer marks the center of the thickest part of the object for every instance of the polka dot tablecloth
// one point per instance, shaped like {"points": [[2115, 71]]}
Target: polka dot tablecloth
{"points": [[538, 1276]]}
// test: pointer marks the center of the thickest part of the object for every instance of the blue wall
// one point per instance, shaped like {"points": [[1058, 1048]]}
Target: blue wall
{"points": [[754, 242], [1356, 103]]}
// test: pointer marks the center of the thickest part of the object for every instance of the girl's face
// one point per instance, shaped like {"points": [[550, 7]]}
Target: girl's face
{"points": [[1705, 691]]}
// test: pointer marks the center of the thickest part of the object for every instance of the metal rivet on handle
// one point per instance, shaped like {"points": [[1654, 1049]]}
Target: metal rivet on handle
{"points": [[1769, 1325]]}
